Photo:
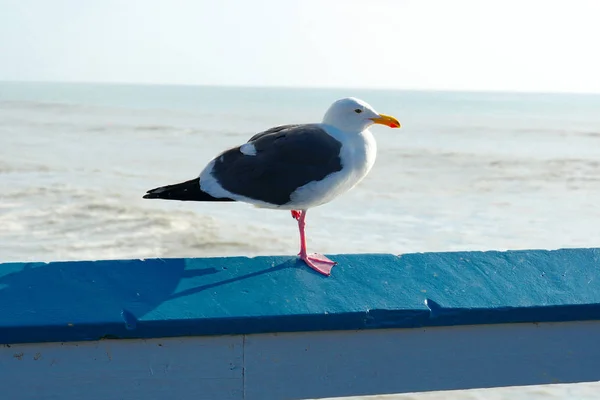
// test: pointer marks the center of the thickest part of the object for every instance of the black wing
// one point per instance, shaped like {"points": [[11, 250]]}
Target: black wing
{"points": [[287, 157]]}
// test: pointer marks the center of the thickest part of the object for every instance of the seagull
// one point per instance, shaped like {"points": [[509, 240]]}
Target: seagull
{"points": [[292, 167]]}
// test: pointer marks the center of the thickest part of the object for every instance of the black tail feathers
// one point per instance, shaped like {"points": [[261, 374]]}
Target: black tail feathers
{"points": [[184, 191]]}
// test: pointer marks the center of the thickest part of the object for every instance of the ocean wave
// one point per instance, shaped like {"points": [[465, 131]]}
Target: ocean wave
{"points": [[6, 168], [124, 128], [54, 192], [73, 108], [573, 172], [93, 228], [553, 131], [151, 128], [43, 105], [512, 130]]}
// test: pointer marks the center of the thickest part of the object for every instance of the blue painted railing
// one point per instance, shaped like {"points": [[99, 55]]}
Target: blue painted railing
{"points": [[91, 300]]}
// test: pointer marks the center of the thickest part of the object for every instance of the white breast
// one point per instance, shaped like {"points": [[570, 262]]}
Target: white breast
{"points": [[357, 154]]}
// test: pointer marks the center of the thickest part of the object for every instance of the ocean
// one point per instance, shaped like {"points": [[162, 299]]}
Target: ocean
{"points": [[468, 171]]}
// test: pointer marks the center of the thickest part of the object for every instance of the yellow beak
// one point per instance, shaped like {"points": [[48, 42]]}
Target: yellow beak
{"points": [[387, 121]]}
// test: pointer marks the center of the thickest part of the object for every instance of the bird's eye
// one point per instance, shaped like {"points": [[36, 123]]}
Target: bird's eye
{"points": [[358, 111]]}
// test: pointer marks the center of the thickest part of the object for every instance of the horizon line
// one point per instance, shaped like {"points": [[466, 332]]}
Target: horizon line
{"points": [[297, 87]]}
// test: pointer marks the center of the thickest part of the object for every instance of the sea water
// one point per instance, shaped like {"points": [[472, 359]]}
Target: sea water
{"points": [[468, 171]]}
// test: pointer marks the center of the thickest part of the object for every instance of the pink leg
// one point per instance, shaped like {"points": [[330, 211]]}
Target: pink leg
{"points": [[318, 262]]}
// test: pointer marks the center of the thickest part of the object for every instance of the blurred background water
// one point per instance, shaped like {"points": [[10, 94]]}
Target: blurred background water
{"points": [[468, 171]]}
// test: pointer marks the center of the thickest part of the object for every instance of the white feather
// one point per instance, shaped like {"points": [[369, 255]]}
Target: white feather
{"points": [[248, 149]]}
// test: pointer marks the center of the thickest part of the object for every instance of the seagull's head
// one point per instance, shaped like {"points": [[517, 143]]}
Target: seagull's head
{"points": [[354, 115]]}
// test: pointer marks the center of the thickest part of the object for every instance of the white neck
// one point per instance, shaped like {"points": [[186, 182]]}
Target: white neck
{"points": [[353, 126]]}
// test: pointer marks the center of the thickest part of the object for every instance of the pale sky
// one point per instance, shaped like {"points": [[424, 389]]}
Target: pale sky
{"points": [[512, 45]]}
